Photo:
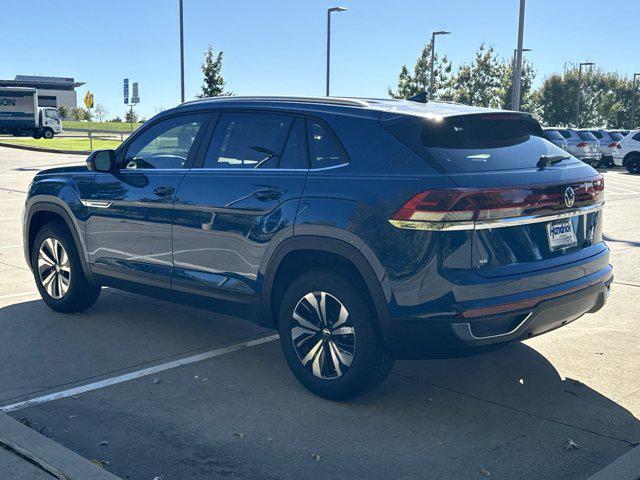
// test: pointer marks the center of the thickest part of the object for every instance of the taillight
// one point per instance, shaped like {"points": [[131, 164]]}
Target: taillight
{"points": [[583, 144], [614, 145], [468, 208]]}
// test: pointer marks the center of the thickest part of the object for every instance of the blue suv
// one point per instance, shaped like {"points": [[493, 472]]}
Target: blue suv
{"points": [[364, 230]]}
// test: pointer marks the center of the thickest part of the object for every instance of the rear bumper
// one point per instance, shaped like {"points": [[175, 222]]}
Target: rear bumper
{"points": [[538, 313]]}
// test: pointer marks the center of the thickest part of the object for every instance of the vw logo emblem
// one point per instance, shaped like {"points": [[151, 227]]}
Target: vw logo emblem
{"points": [[569, 197]]}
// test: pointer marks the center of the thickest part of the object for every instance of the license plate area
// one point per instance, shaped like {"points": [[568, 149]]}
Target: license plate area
{"points": [[561, 234]]}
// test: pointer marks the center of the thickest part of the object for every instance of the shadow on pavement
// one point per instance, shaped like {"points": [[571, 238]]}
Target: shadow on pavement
{"points": [[508, 412]]}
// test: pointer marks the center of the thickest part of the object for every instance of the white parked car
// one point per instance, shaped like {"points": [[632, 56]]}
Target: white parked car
{"points": [[628, 152]]}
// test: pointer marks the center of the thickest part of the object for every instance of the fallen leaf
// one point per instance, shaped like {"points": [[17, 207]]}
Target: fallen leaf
{"points": [[103, 443], [570, 445], [157, 380], [316, 456], [72, 416], [485, 472], [521, 381], [100, 463], [239, 435]]}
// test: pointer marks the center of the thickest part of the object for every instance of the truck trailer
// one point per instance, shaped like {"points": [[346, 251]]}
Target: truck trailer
{"points": [[21, 116]]}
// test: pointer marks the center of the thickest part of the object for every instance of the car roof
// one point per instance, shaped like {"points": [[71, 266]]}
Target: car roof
{"points": [[353, 105]]}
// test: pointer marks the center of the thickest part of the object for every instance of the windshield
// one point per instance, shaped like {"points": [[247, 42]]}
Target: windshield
{"points": [[475, 143]]}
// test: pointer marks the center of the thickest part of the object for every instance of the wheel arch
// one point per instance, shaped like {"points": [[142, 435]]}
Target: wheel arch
{"points": [[629, 155], [42, 212], [346, 256]]}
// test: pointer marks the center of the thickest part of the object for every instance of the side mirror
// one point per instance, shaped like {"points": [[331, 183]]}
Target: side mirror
{"points": [[102, 161]]}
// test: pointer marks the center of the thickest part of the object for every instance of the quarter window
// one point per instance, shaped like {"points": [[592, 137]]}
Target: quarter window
{"points": [[248, 140], [324, 147], [167, 144], [637, 136]]}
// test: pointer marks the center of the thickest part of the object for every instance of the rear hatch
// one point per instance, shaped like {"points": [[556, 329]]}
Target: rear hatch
{"points": [[524, 215]]}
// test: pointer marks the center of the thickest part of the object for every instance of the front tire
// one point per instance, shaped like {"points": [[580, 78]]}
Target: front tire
{"points": [[57, 269], [48, 134], [330, 338]]}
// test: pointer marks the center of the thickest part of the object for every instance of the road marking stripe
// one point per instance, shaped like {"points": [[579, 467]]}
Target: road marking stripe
{"points": [[11, 246], [18, 295], [624, 189], [137, 374], [10, 218]]}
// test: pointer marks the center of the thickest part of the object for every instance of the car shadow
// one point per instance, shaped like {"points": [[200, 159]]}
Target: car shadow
{"points": [[508, 411]]}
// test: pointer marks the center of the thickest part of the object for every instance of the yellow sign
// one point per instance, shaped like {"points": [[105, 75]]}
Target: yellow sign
{"points": [[88, 100]]}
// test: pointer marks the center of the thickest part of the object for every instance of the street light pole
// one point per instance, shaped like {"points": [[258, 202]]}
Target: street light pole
{"points": [[181, 54], [433, 56], [513, 80], [329, 12], [517, 71], [578, 95], [633, 101]]}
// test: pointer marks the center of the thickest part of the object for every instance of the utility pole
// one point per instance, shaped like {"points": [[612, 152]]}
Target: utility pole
{"points": [[433, 59], [513, 80], [329, 12], [517, 71], [181, 54]]}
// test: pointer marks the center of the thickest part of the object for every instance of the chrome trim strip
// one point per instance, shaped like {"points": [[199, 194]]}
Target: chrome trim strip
{"points": [[464, 330], [499, 223], [97, 203]]}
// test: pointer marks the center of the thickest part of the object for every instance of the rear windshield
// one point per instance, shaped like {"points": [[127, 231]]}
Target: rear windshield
{"points": [[586, 136], [473, 143], [553, 135], [598, 135], [616, 136], [565, 133]]}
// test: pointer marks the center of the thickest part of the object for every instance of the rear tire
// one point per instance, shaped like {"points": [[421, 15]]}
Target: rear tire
{"points": [[330, 338], [57, 269], [633, 163]]}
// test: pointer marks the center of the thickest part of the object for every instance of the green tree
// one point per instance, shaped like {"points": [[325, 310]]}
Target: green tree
{"points": [[79, 114], [481, 82], [63, 112], [131, 116], [213, 84], [605, 98], [410, 84], [527, 94]]}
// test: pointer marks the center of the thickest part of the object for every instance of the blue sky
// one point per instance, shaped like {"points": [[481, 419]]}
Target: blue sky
{"points": [[278, 47]]}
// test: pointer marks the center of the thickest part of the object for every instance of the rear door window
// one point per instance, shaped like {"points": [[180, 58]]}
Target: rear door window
{"points": [[248, 140]]}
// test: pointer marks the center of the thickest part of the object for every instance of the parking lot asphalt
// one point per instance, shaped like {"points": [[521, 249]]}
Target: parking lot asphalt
{"points": [[238, 412]]}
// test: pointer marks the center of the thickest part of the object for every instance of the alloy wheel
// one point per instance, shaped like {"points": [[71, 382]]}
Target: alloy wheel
{"points": [[323, 336], [54, 269]]}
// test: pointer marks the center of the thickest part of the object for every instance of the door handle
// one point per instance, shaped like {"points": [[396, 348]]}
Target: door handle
{"points": [[267, 194], [164, 191]]}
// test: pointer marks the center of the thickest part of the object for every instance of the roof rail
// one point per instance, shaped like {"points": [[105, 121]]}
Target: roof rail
{"points": [[351, 102]]}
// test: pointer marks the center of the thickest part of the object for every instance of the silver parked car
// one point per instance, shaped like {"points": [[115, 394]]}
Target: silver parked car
{"points": [[582, 145], [555, 137], [608, 145]]}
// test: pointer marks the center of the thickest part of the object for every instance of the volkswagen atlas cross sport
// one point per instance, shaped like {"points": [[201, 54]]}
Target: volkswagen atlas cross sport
{"points": [[362, 230]]}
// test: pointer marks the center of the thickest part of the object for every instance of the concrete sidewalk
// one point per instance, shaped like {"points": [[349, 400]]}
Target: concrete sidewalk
{"points": [[27, 455]]}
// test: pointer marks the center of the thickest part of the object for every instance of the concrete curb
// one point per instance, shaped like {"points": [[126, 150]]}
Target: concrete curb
{"points": [[627, 467], [47, 150], [47, 454]]}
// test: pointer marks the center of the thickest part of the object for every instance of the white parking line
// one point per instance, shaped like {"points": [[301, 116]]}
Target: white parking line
{"points": [[11, 246], [18, 295], [137, 374]]}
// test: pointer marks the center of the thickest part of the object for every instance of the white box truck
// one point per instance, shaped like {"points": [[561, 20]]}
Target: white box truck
{"points": [[21, 116]]}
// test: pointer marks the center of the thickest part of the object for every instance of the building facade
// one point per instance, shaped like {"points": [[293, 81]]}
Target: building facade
{"points": [[52, 91]]}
